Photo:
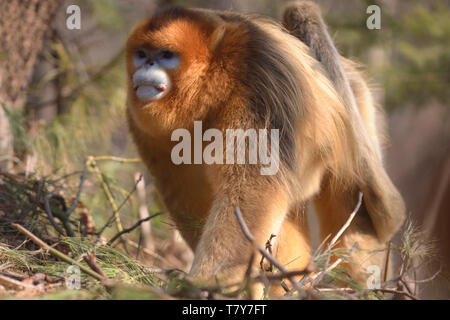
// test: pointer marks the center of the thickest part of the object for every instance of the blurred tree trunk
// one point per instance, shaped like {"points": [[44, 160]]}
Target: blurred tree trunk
{"points": [[23, 25]]}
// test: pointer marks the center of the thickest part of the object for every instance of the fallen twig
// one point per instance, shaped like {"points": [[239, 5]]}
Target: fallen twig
{"points": [[91, 260], [15, 284], [57, 253], [116, 159]]}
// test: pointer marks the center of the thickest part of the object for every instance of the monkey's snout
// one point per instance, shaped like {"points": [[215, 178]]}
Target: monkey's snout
{"points": [[151, 83]]}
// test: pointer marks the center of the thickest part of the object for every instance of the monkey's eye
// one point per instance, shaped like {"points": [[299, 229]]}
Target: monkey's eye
{"points": [[167, 54], [168, 59], [140, 54]]}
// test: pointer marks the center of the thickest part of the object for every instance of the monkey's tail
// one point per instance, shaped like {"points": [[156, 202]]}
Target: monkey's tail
{"points": [[304, 21], [385, 205]]}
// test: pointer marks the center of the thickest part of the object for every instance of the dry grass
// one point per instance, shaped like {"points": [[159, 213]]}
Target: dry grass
{"points": [[30, 269]]}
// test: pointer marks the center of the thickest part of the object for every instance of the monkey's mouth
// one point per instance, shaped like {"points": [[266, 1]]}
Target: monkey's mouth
{"points": [[150, 90], [161, 87]]}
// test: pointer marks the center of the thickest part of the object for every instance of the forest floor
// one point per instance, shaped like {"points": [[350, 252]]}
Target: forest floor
{"points": [[50, 250]]}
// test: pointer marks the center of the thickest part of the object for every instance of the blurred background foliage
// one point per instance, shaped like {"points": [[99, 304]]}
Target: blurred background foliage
{"points": [[415, 43], [74, 105], [409, 59]]}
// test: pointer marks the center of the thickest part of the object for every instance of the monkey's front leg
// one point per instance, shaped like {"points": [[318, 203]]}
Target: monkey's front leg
{"points": [[223, 251]]}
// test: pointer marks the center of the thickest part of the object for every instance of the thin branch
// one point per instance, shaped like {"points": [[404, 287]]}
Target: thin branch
{"points": [[428, 279], [64, 219], [137, 224], [64, 216], [268, 248], [348, 222], [395, 291], [145, 237], [57, 253], [116, 159], [91, 261], [319, 275], [265, 253], [92, 162], [15, 284], [341, 231], [112, 218], [80, 188], [280, 276], [79, 88], [386, 266], [385, 290], [151, 254]]}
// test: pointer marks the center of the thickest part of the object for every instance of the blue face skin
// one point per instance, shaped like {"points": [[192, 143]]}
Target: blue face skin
{"points": [[151, 81]]}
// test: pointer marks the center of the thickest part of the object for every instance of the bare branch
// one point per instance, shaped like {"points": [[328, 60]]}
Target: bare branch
{"points": [[348, 222], [137, 224], [385, 290], [265, 253]]}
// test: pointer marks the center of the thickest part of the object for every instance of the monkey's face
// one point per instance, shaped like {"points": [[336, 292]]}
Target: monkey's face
{"points": [[151, 80], [167, 61]]}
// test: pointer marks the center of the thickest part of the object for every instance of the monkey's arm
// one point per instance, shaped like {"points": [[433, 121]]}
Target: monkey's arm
{"points": [[223, 250]]}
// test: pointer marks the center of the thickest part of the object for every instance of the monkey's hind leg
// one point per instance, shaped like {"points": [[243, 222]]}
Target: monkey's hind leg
{"points": [[292, 245], [366, 254]]}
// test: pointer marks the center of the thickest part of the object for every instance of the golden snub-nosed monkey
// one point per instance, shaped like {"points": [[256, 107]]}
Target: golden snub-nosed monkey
{"points": [[228, 71]]}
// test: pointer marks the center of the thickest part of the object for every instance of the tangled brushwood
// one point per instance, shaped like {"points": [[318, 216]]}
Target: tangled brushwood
{"points": [[46, 231]]}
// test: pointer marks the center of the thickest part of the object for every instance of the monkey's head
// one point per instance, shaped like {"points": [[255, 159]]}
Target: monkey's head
{"points": [[171, 60]]}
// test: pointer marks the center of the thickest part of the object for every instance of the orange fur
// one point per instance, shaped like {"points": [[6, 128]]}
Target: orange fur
{"points": [[243, 72]]}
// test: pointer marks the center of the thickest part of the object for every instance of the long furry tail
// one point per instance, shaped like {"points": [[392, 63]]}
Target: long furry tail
{"points": [[384, 204], [304, 21]]}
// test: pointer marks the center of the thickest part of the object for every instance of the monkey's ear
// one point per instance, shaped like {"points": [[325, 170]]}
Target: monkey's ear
{"points": [[217, 37]]}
